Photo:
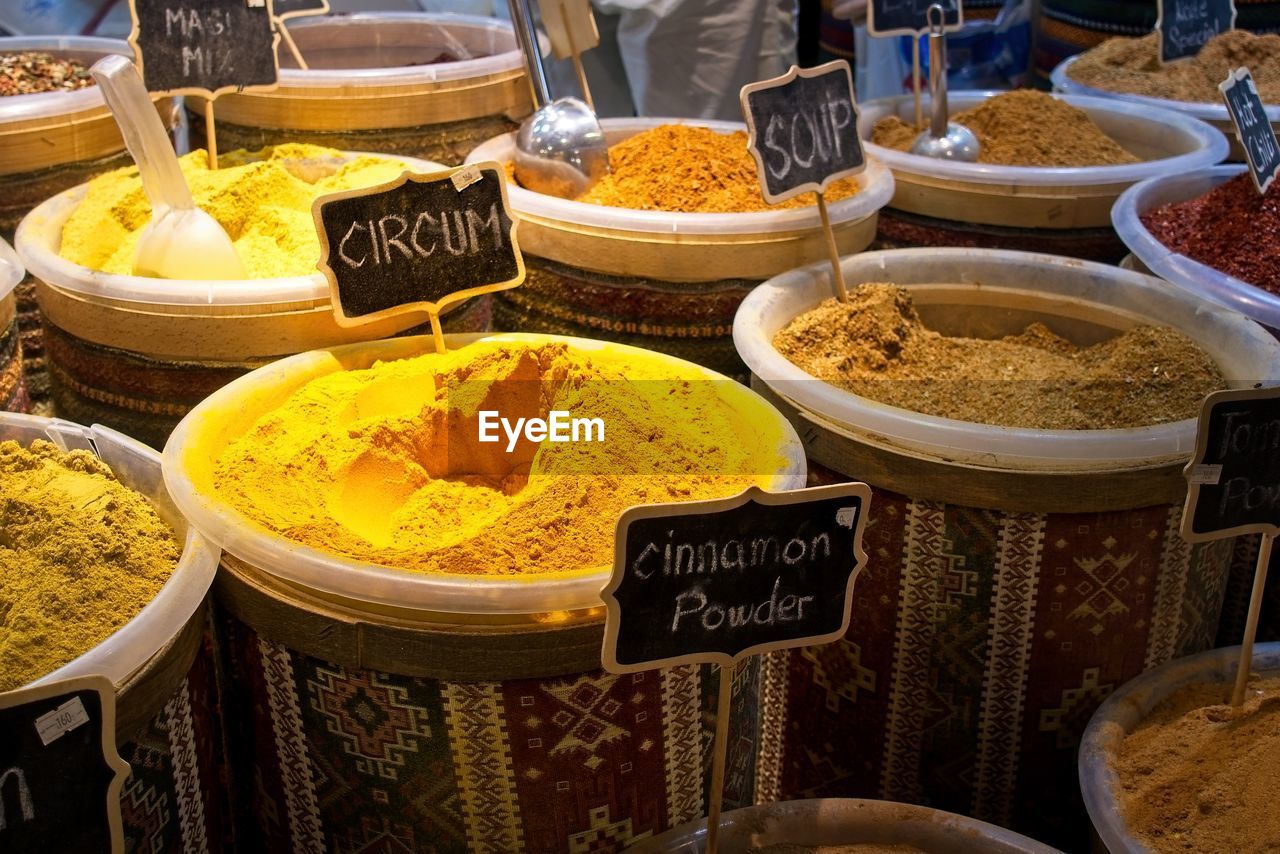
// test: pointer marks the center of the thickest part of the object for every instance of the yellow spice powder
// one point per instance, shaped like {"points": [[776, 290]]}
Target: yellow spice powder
{"points": [[80, 555], [263, 200], [385, 465]]}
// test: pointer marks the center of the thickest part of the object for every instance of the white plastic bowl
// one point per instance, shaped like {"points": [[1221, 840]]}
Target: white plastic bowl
{"points": [[11, 271], [1063, 286], [1200, 279], [137, 467], [42, 105]]}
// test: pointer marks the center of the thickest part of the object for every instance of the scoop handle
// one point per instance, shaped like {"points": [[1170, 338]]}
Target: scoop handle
{"points": [[938, 70], [527, 37], [144, 134]]}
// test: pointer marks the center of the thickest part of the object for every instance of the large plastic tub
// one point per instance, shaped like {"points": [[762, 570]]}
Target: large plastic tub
{"points": [[1066, 210], [663, 281], [13, 389], [373, 84], [1018, 570], [1128, 707], [1199, 279], [167, 726]]}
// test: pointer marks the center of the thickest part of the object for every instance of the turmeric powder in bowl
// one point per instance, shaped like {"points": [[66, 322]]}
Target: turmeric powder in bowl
{"points": [[388, 466]]}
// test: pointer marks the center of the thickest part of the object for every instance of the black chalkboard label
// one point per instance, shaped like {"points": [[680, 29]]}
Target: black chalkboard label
{"points": [[1257, 136], [803, 130], [417, 243], [1234, 478], [286, 9], [1184, 26], [715, 581], [60, 775], [204, 47], [907, 17]]}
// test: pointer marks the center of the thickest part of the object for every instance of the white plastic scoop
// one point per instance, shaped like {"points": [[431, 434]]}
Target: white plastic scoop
{"points": [[181, 241]]}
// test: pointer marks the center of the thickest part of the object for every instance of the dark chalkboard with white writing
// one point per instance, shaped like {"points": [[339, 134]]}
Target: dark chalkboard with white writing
{"points": [[803, 130], [286, 9], [1234, 478], [1257, 134], [417, 243], [204, 47], [905, 17], [60, 775], [715, 581], [1184, 26]]}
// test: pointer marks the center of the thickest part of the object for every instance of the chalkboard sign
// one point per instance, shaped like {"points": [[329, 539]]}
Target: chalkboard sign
{"points": [[803, 130], [204, 47], [715, 581], [1257, 136], [417, 243], [286, 9], [909, 17], [1234, 478], [1184, 26], [60, 775]]}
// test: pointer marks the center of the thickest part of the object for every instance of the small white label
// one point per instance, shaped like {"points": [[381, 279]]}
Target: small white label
{"points": [[51, 726], [846, 516], [255, 4], [1206, 474], [465, 177]]}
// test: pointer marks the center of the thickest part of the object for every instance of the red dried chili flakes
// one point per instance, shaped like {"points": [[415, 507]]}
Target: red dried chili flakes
{"points": [[1230, 228], [29, 72]]}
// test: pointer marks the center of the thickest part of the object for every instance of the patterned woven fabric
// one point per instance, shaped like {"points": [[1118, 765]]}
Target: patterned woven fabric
{"points": [[13, 389]]}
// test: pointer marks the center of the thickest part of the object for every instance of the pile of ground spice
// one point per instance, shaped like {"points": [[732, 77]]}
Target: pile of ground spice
{"points": [[876, 346], [688, 169], [1197, 775], [28, 73], [1231, 228], [263, 199], [385, 465], [80, 555], [1132, 65], [1022, 128]]}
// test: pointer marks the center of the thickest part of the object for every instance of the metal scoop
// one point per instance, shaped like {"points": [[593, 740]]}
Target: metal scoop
{"points": [[181, 241], [560, 149], [944, 139]]}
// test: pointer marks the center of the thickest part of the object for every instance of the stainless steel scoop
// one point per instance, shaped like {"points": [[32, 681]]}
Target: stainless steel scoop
{"points": [[944, 139]]}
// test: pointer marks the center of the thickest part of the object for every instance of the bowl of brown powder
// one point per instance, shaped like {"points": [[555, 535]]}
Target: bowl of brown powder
{"points": [[1167, 765]]}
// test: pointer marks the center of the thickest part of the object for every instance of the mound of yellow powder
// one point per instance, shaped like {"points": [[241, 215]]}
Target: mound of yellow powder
{"points": [[80, 555], [263, 200], [385, 465]]}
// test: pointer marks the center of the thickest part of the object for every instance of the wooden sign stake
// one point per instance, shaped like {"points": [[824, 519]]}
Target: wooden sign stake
{"points": [[915, 80], [210, 134], [833, 251], [577, 59], [1245, 665], [287, 37], [724, 707]]}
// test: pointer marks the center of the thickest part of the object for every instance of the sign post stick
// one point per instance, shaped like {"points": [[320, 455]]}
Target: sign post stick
{"points": [[210, 134], [577, 60], [724, 706], [287, 37], [437, 333], [1251, 624], [837, 275], [915, 80]]}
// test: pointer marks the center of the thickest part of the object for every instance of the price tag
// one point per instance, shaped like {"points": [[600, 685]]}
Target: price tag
{"points": [[803, 130], [716, 581], [570, 26], [417, 243], [1257, 136], [1238, 440], [1185, 26], [60, 774], [287, 9], [911, 17], [204, 47]]}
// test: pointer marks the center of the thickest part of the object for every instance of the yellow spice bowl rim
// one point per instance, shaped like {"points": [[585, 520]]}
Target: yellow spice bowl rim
{"points": [[200, 437]]}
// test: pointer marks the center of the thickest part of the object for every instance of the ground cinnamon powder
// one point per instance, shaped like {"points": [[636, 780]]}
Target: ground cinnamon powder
{"points": [[1132, 66], [876, 346], [688, 169], [1022, 128], [1196, 776]]}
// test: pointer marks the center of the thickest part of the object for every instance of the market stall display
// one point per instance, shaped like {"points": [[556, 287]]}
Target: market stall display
{"points": [[418, 85], [13, 388], [1050, 173], [1017, 570], [477, 638]]}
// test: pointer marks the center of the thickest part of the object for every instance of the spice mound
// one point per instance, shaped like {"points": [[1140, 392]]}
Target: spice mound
{"points": [[1230, 228], [80, 555], [262, 199], [1133, 66], [386, 465], [1197, 775], [1022, 128], [688, 169], [876, 346], [31, 72]]}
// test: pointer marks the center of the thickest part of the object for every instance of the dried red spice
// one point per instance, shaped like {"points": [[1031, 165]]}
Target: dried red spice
{"points": [[1230, 228]]}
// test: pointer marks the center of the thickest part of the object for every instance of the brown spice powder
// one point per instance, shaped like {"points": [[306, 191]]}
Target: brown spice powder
{"points": [[1132, 66], [876, 346], [1022, 128], [1196, 776], [688, 169]]}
